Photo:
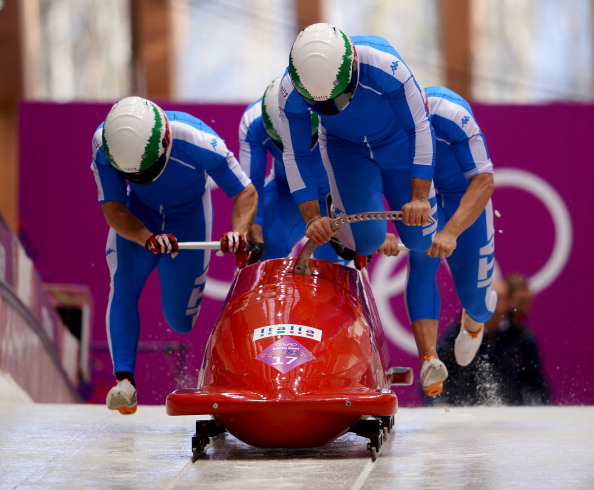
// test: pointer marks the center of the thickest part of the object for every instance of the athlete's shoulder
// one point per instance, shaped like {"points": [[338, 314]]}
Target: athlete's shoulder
{"points": [[380, 64], [251, 125], [374, 43], [252, 112], [255, 104], [443, 97], [183, 124], [450, 113], [184, 118]]}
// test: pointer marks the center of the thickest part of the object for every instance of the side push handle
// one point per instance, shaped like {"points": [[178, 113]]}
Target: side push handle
{"points": [[199, 245], [240, 257], [302, 263]]}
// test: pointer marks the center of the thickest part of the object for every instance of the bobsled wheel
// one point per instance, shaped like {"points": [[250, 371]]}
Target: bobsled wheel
{"points": [[387, 423], [199, 445], [205, 430], [374, 446]]}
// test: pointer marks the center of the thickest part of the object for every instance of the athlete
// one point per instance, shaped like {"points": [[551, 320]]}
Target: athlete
{"points": [[463, 180], [374, 135], [151, 170], [278, 225], [375, 138]]}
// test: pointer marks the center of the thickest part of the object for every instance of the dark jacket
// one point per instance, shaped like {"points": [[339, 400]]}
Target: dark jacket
{"points": [[506, 370]]}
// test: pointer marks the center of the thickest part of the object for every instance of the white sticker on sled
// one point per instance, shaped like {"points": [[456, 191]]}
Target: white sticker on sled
{"points": [[287, 329]]}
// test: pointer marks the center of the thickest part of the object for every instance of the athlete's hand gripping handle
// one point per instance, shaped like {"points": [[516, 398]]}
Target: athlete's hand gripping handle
{"points": [[165, 243], [233, 242]]}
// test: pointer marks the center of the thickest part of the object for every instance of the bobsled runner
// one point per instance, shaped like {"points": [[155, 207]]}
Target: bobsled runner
{"points": [[297, 358]]}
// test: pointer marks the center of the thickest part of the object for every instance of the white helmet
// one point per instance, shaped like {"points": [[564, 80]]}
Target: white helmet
{"points": [[271, 113], [136, 139], [323, 68]]}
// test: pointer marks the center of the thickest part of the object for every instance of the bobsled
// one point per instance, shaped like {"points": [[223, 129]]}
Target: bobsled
{"points": [[296, 359]]}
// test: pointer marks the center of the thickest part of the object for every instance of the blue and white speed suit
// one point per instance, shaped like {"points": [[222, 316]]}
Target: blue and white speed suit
{"points": [[373, 147], [460, 155], [278, 214], [178, 202]]}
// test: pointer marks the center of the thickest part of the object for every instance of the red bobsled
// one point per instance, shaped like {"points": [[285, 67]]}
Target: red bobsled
{"points": [[296, 359]]}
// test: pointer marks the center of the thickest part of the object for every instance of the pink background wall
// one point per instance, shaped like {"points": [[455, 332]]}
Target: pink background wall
{"points": [[543, 172]]}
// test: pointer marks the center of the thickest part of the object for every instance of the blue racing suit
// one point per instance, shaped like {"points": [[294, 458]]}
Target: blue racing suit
{"points": [[460, 155], [278, 214], [178, 202], [371, 149]]}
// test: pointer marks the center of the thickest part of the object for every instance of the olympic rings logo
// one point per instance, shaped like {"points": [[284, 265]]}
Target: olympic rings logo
{"points": [[386, 286]]}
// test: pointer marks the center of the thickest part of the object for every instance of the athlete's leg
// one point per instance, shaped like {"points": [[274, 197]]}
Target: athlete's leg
{"points": [[283, 224], [183, 278], [356, 187], [397, 189], [471, 265], [129, 266], [423, 304]]}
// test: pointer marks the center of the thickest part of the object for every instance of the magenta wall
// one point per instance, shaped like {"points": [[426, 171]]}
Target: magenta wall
{"points": [[544, 177]]}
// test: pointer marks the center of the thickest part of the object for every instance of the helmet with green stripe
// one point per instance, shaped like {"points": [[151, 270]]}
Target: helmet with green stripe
{"points": [[323, 68], [271, 113], [137, 139]]}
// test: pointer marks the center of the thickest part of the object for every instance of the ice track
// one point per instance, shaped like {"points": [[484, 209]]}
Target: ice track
{"points": [[86, 446]]}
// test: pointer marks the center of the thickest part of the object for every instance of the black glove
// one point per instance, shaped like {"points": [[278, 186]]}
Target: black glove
{"points": [[255, 252]]}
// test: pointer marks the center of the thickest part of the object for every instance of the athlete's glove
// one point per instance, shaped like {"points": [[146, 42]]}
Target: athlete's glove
{"points": [[232, 242], [255, 252], [165, 243]]}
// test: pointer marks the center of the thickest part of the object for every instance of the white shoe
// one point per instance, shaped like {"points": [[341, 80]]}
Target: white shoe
{"points": [[467, 344], [122, 397], [433, 374]]}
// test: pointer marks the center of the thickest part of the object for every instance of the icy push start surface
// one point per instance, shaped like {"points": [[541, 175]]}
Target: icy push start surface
{"points": [[85, 446]]}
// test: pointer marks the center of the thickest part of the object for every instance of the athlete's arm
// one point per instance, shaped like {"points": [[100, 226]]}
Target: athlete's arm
{"points": [[317, 226], [295, 132], [118, 216], [455, 123], [245, 205], [409, 107], [253, 154], [471, 206], [417, 211]]}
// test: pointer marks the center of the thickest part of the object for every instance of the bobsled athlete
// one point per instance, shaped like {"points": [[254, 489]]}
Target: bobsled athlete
{"points": [[375, 138], [151, 168], [374, 135], [275, 232], [463, 181]]}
